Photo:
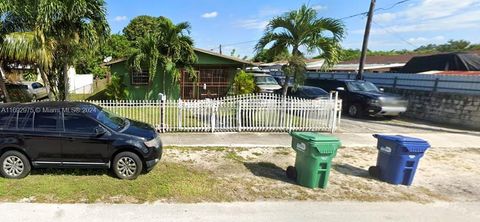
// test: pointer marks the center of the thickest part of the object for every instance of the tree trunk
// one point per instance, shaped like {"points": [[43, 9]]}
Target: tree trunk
{"points": [[65, 79], [2, 84], [46, 82], [295, 52], [285, 85]]}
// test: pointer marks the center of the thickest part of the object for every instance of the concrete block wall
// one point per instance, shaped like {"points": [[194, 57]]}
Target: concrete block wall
{"points": [[447, 108]]}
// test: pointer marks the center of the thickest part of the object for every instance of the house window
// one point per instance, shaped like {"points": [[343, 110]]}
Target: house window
{"points": [[140, 78]]}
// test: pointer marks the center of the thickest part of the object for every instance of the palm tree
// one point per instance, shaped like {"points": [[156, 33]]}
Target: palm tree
{"points": [[81, 23], [169, 45], [177, 46], [4, 7], [147, 54], [70, 24], [28, 48], [302, 29]]}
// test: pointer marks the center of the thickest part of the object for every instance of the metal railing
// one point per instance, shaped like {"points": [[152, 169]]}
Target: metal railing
{"points": [[253, 113]]}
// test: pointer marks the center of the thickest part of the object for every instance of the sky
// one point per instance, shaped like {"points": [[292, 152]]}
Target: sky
{"points": [[238, 24]]}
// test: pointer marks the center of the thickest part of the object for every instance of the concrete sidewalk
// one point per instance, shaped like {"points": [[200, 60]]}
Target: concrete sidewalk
{"points": [[243, 211], [437, 140]]}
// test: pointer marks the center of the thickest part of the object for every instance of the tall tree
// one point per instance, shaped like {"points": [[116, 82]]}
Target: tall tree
{"points": [[140, 26], [4, 7], [302, 29]]}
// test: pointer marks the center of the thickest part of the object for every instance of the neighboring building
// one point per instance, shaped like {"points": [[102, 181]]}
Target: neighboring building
{"points": [[376, 64], [215, 73], [381, 64], [275, 68]]}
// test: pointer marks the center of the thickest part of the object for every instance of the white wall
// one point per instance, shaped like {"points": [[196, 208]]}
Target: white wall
{"points": [[80, 83]]}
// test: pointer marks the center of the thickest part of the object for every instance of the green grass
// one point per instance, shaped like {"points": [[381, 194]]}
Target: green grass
{"points": [[168, 181]]}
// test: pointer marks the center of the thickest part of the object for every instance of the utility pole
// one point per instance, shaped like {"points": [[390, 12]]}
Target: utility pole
{"points": [[365, 40], [220, 47]]}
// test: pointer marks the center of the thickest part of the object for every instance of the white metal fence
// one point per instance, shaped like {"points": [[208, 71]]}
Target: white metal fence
{"points": [[255, 113], [464, 84]]}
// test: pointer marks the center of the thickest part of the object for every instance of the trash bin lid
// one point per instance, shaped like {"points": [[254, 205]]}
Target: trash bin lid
{"points": [[410, 143], [314, 137]]}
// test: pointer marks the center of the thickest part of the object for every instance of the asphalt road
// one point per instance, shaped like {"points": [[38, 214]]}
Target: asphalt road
{"points": [[242, 211]]}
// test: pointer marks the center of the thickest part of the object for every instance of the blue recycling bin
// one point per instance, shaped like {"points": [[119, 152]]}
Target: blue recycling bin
{"points": [[398, 158]]}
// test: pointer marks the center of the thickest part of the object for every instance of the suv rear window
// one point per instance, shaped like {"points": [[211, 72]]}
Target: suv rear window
{"points": [[8, 120]]}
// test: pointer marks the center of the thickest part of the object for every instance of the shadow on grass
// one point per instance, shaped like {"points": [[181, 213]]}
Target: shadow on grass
{"points": [[268, 170], [73, 172], [348, 169]]}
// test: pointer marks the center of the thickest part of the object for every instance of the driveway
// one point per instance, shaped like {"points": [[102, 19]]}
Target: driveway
{"points": [[400, 125]]}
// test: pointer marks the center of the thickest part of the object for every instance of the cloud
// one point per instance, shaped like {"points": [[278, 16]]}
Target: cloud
{"points": [[319, 7], [253, 24], [210, 14], [384, 17], [120, 18], [429, 16]]}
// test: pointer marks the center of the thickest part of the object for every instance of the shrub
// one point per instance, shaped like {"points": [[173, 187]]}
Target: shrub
{"points": [[116, 89], [243, 83]]}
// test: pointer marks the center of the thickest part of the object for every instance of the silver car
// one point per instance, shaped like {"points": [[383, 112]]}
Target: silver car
{"points": [[36, 90]]}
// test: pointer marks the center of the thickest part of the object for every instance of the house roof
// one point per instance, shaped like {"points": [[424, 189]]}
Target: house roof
{"points": [[231, 58], [395, 59], [236, 59]]}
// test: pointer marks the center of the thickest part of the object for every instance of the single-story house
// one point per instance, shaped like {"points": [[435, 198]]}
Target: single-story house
{"points": [[214, 71]]}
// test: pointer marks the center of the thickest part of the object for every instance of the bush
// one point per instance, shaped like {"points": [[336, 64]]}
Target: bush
{"points": [[243, 83], [116, 89]]}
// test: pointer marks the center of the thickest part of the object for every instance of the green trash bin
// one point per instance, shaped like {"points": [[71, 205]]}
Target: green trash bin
{"points": [[314, 157]]}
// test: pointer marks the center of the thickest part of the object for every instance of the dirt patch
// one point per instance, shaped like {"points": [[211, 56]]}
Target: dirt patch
{"points": [[259, 174]]}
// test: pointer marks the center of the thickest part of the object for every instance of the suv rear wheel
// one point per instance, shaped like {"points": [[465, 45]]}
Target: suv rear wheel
{"points": [[127, 165], [14, 165]]}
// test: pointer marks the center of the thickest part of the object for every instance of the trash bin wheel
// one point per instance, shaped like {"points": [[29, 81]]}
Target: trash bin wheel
{"points": [[374, 171], [291, 172]]}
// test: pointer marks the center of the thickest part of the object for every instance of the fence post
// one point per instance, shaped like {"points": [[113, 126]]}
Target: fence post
{"points": [[179, 113], [239, 115], [395, 82], [435, 85], [335, 110], [162, 112], [213, 115]]}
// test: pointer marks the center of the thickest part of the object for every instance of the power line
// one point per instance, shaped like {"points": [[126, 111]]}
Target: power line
{"points": [[378, 9], [232, 44], [344, 18]]}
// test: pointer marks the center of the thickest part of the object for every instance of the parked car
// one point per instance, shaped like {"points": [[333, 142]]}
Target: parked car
{"points": [[265, 83], [17, 93], [305, 92], [36, 90], [361, 98], [74, 135]]}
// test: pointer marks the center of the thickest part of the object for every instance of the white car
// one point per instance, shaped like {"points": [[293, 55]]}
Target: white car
{"points": [[36, 90], [265, 83]]}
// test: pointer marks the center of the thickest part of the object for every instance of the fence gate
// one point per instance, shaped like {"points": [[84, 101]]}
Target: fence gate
{"points": [[253, 113]]}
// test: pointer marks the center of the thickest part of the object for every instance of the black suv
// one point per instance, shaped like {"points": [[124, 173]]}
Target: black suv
{"points": [[73, 135], [361, 98]]}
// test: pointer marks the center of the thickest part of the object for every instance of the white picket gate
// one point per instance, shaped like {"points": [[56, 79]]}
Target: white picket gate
{"points": [[254, 113]]}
